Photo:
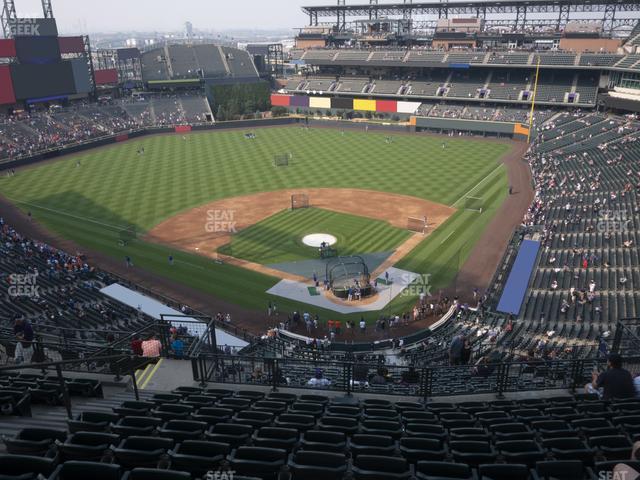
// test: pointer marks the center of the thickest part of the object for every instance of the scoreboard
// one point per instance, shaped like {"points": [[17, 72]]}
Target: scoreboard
{"points": [[33, 27], [38, 50], [40, 72]]}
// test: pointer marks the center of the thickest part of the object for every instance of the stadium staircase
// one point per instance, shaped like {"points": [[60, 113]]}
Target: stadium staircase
{"points": [[224, 60]]}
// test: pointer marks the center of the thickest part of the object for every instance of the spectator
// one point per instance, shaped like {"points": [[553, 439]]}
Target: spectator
{"points": [[318, 380], [636, 384], [136, 346], [152, 347], [455, 350], [378, 378], [615, 382], [177, 346], [410, 376], [24, 346], [486, 365]]}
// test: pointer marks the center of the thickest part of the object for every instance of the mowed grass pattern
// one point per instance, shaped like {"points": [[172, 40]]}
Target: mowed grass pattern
{"points": [[278, 238], [114, 186]]}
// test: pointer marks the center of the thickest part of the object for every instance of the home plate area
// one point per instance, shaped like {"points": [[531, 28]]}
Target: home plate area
{"points": [[387, 290]]}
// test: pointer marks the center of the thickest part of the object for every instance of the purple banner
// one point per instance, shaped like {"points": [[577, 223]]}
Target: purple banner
{"points": [[299, 101]]}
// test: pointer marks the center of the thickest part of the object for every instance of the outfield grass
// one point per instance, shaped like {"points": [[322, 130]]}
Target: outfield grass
{"points": [[114, 187], [278, 239]]}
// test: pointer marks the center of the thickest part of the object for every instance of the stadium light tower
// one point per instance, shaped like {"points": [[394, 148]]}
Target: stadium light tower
{"points": [[8, 16], [47, 9]]}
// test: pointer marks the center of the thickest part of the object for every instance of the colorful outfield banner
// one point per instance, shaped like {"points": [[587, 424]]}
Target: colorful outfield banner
{"points": [[344, 103], [364, 105], [319, 102], [408, 107], [280, 100]]}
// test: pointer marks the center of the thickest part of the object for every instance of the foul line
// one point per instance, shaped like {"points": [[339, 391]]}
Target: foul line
{"points": [[60, 212], [477, 185], [447, 237]]}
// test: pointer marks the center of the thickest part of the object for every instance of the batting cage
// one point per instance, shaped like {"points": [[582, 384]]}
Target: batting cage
{"points": [[474, 204], [299, 200], [282, 159], [345, 273], [417, 224]]}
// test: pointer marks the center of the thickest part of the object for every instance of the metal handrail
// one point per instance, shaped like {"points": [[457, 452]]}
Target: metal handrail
{"points": [[497, 378], [58, 366]]}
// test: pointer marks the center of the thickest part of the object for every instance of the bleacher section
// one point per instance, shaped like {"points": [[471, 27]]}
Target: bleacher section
{"points": [[559, 58], [386, 87], [553, 85], [68, 297], [320, 84], [352, 85], [599, 59], [315, 55], [184, 61], [466, 83], [210, 60], [195, 108], [507, 84], [465, 58], [435, 58], [509, 58], [387, 56], [587, 87], [588, 270], [628, 62], [154, 65], [349, 56], [25, 135], [425, 56], [240, 63], [196, 61]]}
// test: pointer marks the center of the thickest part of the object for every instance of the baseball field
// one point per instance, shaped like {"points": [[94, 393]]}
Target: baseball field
{"points": [[362, 188]]}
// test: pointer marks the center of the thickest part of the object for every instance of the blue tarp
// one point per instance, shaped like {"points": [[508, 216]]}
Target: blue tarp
{"points": [[516, 286]]}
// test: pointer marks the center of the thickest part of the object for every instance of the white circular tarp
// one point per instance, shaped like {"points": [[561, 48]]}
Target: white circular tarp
{"points": [[316, 239]]}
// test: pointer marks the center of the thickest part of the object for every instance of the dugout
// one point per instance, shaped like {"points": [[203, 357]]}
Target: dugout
{"points": [[344, 273]]}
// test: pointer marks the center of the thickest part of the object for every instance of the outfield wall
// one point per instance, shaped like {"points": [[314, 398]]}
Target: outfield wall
{"points": [[515, 130], [331, 105]]}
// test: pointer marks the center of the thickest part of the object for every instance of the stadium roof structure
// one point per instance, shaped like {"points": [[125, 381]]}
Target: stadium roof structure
{"points": [[612, 13]]}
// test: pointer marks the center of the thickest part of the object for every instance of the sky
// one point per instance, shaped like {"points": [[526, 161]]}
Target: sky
{"points": [[87, 16]]}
